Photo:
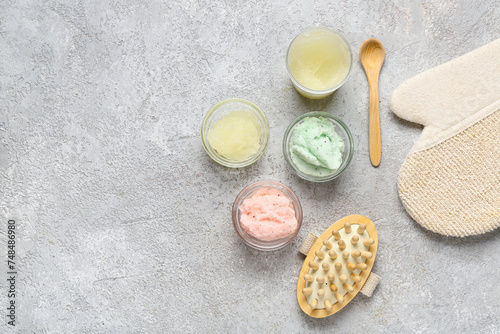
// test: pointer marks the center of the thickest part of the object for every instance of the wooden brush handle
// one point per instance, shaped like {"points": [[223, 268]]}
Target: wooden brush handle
{"points": [[374, 124]]}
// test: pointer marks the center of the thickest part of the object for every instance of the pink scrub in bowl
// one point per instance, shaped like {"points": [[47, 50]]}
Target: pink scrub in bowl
{"points": [[267, 215]]}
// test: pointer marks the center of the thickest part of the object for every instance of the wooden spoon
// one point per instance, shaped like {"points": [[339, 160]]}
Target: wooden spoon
{"points": [[372, 55]]}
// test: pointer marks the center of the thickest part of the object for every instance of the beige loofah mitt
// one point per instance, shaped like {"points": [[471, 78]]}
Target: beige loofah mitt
{"points": [[450, 180]]}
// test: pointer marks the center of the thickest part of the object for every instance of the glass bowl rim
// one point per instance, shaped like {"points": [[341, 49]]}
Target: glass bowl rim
{"points": [[232, 163], [323, 91], [243, 194], [336, 120]]}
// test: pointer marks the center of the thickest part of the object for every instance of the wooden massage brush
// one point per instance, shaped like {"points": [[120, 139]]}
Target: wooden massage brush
{"points": [[338, 265]]}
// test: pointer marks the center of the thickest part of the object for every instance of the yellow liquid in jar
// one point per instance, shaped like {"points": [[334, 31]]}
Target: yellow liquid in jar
{"points": [[319, 59], [236, 135]]}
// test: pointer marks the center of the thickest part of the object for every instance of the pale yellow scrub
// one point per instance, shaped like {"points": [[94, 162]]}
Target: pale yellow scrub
{"points": [[319, 59], [235, 136]]}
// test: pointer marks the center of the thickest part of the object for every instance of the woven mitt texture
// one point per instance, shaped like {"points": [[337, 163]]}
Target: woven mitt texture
{"points": [[453, 188]]}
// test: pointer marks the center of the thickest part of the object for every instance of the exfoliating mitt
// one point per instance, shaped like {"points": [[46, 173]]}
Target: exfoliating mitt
{"points": [[450, 180]]}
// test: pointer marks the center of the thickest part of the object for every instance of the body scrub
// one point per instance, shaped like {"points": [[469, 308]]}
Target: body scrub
{"points": [[318, 146], [315, 148], [268, 215], [318, 62], [236, 135]]}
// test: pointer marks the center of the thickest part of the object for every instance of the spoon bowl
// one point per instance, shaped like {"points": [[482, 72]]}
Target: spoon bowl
{"points": [[372, 56]]}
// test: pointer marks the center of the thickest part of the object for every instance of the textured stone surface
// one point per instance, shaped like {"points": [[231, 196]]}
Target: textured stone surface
{"points": [[124, 221]]}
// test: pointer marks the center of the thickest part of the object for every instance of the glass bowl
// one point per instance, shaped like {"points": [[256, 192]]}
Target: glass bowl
{"points": [[312, 93], [251, 240], [340, 128], [223, 108]]}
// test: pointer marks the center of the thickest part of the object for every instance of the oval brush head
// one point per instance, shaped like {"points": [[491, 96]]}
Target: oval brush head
{"points": [[337, 266]]}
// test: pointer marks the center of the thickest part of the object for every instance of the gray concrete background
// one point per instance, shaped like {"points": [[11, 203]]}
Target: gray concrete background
{"points": [[123, 220]]}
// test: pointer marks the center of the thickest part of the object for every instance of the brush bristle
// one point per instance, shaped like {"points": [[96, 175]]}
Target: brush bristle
{"points": [[341, 259]]}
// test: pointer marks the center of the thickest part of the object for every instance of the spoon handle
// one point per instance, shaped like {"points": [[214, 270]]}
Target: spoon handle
{"points": [[374, 123]]}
